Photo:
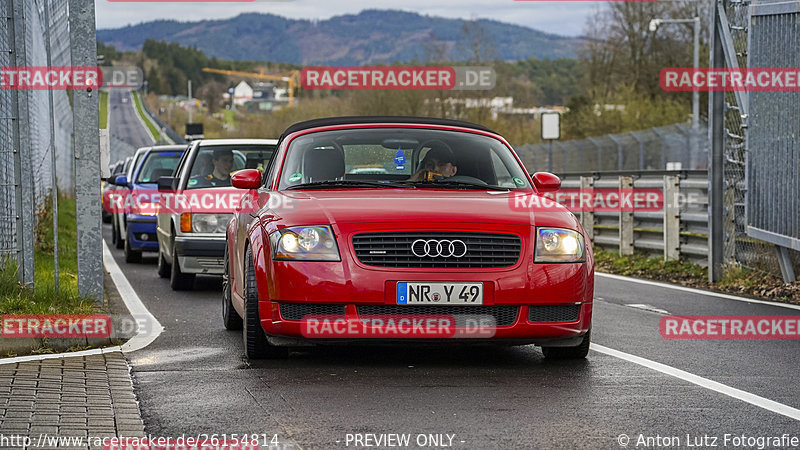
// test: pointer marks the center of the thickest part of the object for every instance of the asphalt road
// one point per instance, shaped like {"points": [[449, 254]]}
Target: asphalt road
{"points": [[194, 380], [125, 125]]}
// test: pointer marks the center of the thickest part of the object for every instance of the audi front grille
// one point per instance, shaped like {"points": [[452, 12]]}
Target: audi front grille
{"points": [[437, 249]]}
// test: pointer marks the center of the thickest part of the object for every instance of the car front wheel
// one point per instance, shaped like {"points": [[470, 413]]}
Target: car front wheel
{"points": [[131, 256], [118, 243], [577, 352], [255, 341], [163, 268], [178, 280]]}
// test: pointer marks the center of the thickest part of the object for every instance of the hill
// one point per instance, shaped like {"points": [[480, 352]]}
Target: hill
{"points": [[370, 37]]}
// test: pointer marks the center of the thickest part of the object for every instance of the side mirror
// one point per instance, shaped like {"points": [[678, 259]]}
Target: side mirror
{"points": [[246, 179], [166, 183], [121, 180], [546, 182]]}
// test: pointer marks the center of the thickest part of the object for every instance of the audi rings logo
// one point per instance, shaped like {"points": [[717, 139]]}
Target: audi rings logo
{"points": [[444, 248]]}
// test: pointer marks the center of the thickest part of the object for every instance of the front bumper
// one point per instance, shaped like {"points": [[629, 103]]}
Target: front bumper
{"points": [[142, 232], [200, 255], [544, 304]]}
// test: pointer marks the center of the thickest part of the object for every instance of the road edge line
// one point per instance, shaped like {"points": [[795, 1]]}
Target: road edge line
{"points": [[747, 397], [135, 306], [697, 291]]}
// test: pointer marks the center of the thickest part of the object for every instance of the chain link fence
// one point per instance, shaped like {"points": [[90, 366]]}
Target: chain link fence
{"points": [[36, 130], [652, 149], [738, 248]]}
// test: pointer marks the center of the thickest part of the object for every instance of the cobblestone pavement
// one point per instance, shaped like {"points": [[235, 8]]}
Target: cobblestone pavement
{"points": [[70, 397]]}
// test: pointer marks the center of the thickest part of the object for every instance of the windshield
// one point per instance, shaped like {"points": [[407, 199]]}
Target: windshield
{"points": [[213, 165], [157, 165], [422, 157]]}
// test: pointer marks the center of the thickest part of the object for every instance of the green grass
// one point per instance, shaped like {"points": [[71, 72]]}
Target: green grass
{"points": [[228, 117], [137, 100], [103, 110], [641, 265], [43, 299]]}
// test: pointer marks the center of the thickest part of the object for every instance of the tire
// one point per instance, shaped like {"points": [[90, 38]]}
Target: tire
{"points": [[119, 243], [178, 280], [163, 268], [131, 256], [255, 341], [230, 318], [113, 233], [106, 217], [563, 353]]}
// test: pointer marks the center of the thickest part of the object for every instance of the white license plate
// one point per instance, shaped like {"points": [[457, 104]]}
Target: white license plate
{"points": [[435, 293]]}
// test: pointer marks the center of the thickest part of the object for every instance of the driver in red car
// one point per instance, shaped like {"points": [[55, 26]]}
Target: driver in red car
{"points": [[439, 161]]}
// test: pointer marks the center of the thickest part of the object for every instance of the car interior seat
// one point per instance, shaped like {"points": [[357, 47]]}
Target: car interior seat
{"points": [[323, 163]]}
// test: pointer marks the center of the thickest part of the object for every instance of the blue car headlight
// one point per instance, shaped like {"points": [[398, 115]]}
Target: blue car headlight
{"points": [[559, 245], [305, 243]]}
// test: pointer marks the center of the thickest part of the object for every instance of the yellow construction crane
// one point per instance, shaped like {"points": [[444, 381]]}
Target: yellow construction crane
{"points": [[292, 79]]}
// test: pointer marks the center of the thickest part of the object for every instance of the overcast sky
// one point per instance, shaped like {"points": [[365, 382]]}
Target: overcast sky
{"points": [[559, 17]]}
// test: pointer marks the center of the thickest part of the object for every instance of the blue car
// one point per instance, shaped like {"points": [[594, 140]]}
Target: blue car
{"points": [[140, 226]]}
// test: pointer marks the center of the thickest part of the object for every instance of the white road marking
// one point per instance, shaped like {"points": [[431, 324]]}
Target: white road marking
{"points": [[649, 308], [697, 291], [761, 402], [136, 308]]}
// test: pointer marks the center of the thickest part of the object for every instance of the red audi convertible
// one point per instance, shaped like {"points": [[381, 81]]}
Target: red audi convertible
{"points": [[402, 229]]}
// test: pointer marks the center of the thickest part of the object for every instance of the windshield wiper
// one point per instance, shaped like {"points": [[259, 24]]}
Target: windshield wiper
{"points": [[456, 184], [349, 183]]}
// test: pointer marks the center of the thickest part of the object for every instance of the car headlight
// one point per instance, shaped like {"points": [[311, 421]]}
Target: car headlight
{"points": [[210, 223], [559, 245], [307, 243]]}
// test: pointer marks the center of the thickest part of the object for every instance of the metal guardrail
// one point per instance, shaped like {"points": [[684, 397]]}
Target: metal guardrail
{"points": [[678, 230], [176, 138]]}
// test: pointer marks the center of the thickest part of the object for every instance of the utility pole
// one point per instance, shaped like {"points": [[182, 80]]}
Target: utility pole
{"points": [[191, 103]]}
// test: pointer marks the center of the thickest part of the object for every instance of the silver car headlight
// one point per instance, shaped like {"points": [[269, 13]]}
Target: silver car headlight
{"points": [[306, 243], [210, 223], [559, 245]]}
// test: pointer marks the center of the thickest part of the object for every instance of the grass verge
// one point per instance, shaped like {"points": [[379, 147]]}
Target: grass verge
{"points": [[137, 101], [736, 280], [43, 299], [103, 110]]}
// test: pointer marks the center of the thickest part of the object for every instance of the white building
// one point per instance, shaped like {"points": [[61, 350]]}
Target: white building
{"points": [[242, 94]]}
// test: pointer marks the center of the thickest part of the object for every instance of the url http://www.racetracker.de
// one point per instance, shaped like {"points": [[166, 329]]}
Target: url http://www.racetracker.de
{"points": [[199, 442]]}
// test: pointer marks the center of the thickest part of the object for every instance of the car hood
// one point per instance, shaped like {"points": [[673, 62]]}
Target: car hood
{"points": [[409, 205]]}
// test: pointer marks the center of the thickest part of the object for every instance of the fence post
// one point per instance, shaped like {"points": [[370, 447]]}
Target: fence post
{"points": [[87, 153], [619, 151], [716, 159], [23, 165], [672, 220], [599, 153], [587, 216], [641, 150], [625, 219]]}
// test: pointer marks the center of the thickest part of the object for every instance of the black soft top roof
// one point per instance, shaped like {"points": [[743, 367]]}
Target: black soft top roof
{"points": [[347, 120]]}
